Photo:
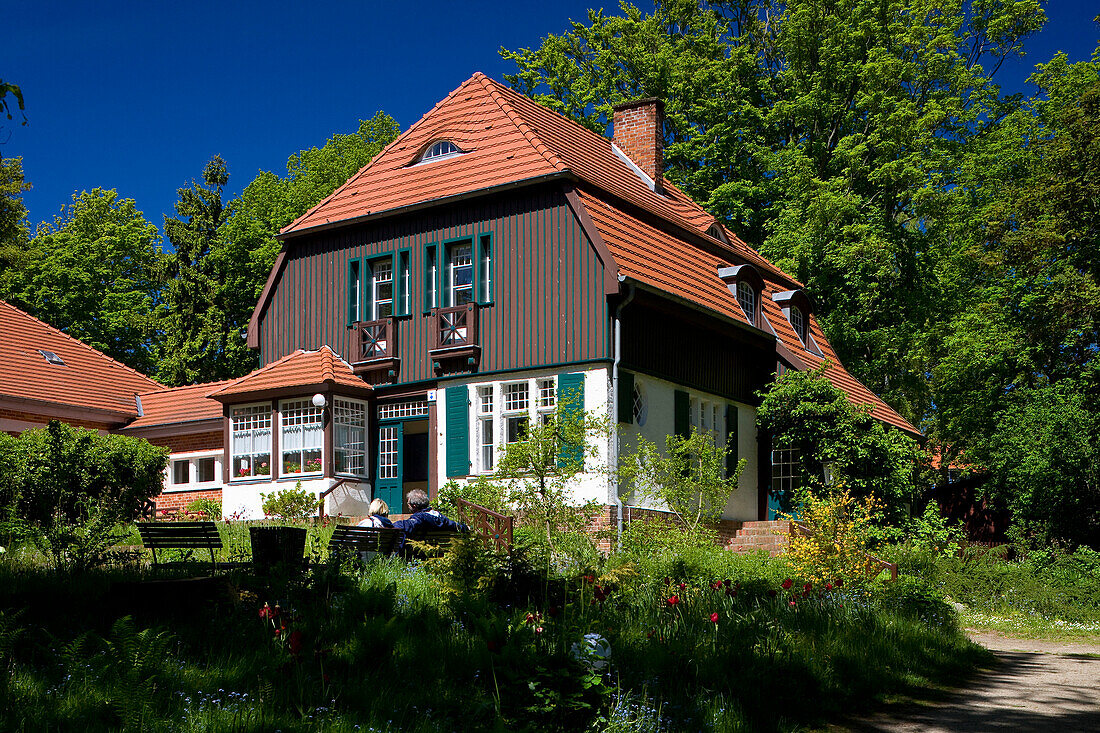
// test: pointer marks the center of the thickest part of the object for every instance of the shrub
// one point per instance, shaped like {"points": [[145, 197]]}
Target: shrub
{"points": [[71, 488], [838, 536], [290, 504], [212, 508]]}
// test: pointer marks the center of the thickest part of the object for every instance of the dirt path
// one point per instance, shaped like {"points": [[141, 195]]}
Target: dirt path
{"points": [[1034, 685]]}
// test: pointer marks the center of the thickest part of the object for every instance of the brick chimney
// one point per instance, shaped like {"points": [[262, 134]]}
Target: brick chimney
{"points": [[638, 130]]}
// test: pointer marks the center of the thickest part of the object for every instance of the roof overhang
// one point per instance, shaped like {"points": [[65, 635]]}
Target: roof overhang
{"points": [[183, 427], [63, 411], [325, 387]]}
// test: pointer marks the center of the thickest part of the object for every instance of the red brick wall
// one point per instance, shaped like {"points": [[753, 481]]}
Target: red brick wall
{"points": [[213, 440], [180, 499], [37, 418], [637, 130], [733, 535]]}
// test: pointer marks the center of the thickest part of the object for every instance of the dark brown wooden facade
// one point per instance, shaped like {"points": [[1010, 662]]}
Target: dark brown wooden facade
{"points": [[547, 301]]}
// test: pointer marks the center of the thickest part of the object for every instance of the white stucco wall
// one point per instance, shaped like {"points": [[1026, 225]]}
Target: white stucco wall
{"points": [[245, 501]]}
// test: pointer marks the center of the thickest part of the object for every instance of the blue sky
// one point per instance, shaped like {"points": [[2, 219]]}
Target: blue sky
{"points": [[138, 96]]}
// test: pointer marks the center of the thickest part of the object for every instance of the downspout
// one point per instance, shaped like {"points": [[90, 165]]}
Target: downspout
{"points": [[613, 448]]}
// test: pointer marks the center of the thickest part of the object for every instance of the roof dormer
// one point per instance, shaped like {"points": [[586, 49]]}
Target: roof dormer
{"points": [[747, 285], [797, 308], [438, 150]]}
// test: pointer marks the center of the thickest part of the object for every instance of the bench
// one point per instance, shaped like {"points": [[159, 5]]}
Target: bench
{"points": [[180, 536], [379, 540]]}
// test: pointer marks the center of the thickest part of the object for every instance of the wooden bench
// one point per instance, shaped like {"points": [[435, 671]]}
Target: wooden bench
{"points": [[180, 536], [379, 540]]}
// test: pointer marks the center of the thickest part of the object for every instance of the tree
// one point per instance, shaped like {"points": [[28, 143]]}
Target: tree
{"points": [[16, 94], [14, 232], [94, 273]]}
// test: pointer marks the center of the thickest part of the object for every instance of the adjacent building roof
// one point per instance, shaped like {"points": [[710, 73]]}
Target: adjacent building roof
{"points": [[79, 377], [301, 370], [178, 406]]}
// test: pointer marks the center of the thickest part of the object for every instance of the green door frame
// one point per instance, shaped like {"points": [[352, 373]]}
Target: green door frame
{"points": [[389, 489]]}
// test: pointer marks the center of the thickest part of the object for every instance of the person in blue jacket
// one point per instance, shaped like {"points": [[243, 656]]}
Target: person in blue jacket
{"points": [[424, 519]]}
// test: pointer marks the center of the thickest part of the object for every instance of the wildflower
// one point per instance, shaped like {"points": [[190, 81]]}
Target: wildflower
{"points": [[683, 586], [806, 588], [828, 586], [716, 585], [790, 603], [265, 612], [839, 582], [672, 601], [538, 629], [589, 579], [714, 618], [786, 585]]}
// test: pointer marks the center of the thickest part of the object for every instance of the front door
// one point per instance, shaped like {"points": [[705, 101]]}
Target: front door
{"points": [[388, 478]]}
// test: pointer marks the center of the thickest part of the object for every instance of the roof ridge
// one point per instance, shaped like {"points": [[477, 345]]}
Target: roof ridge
{"points": [[78, 342], [521, 124], [255, 372], [187, 386], [358, 174]]}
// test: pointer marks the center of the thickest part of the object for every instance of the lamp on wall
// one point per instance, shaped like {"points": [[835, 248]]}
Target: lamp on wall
{"points": [[827, 468], [319, 401]]}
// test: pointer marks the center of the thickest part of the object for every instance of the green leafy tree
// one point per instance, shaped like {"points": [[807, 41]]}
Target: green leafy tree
{"points": [[14, 232], [73, 488], [804, 412], [94, 273]]}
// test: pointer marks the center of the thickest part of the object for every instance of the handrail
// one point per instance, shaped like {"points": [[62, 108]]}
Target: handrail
{"points": [[321, 497], [872, 565], [493, 527]]}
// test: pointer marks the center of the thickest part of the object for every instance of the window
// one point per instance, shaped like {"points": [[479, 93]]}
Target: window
{"points": [[207, 470], [746, 296], [301, 437], [349, 421], [181, 472], [388, 435], [486, 436], [431, 277], [441, 149], [395, 410], [51, 357], [641, 403], [460, 273], [786, 475], [798, 322], [515, 410], [355, 295], [381, 294], [250, 443], [548, 398], [404, 284], [485, 270]]}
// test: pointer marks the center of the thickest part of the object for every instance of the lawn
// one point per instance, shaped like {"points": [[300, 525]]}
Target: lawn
{"points": [[693, 640]]}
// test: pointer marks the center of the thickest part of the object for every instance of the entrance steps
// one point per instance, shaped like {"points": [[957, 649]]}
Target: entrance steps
{"points": [[772, 537]]}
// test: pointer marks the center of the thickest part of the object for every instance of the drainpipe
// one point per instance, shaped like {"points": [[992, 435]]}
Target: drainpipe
{"points": [[613, 447]]}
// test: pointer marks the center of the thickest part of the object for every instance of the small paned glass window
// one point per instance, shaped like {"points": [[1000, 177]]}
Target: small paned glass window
{"points": [[641, 403], [250, 442], [786, 476], [746, 296], [301, 437], [431, 278], [441, 149], [517, 401], [460, 273], [485, 429], [798, 321], [382, 289], [548, 398], [181, 472], [349, 420], [207, 469]]}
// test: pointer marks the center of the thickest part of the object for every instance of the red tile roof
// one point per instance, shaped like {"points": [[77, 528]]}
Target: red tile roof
{"points": [[176, 405], [300, 369], [88, 378]]}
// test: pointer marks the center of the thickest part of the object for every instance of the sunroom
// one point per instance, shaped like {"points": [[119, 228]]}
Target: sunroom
{"points": [[303, 419]]}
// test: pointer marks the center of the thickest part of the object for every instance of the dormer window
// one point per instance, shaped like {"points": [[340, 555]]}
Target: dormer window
{"points": [[797, 307], [746, 297], [798, 322], [437, 150]]}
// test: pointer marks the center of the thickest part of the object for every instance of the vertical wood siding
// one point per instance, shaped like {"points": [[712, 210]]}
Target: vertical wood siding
{"points": [[547, 307]]}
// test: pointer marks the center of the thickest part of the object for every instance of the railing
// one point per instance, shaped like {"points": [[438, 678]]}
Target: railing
{"points": [[493, 527], [872, 565], [374, 340], [454, 327]]}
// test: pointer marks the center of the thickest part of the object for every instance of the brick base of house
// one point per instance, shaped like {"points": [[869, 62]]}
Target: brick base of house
{"points": [[772, 537], [178, 500]]}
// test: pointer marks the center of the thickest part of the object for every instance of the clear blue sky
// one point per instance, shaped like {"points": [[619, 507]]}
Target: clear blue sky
{"points": [[137, 96]]}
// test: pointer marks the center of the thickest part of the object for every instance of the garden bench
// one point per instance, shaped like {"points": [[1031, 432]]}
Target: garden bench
{"points": [[180, 536], [378, 540]]}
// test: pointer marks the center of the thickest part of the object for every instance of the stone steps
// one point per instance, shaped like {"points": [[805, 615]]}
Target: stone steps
{"points": [[761, 536]]}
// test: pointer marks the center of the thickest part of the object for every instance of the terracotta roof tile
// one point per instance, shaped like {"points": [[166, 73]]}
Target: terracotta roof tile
{"points": [[305, 369], [87, 379], [178, 405]]}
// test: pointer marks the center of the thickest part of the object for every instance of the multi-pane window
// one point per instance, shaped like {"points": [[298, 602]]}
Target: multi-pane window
{"points": [[381, 289], [786, 475], [301, 437], [349, 421], [548, 398], [355, 296], [404, 289], [517, 403], [798, 321], [388, 436], [394, 410], [460, 273], [485, 270], [486, 435], [250, 443], [441, 149], [431, 278], [641, 403], [746, 296]]}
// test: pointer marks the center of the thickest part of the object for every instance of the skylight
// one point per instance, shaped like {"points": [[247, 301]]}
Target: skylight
{"points": [[52, 357]]}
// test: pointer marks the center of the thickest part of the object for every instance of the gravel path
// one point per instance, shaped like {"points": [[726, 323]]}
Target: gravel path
{"points": [[1033, 686]]}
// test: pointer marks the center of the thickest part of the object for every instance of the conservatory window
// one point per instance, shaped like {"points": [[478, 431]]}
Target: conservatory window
{"points": [[250, 442], [301, 437], [349, 420]]}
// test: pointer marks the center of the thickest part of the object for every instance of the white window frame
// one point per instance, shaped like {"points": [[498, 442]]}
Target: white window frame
{"points": [[452, 288], [786, 470], [306, 408], [340, 405], [253, 409], [746, 298], [192, 458], [375, 284], [489, 408], [798, 323], [439, 150]]}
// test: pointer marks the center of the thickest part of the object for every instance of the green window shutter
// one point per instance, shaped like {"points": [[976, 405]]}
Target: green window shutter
{"points": [[571, 397], [458, 431], [681, 414], [626, 397], [731, 439]]}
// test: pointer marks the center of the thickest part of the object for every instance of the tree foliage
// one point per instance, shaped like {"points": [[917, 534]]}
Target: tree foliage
{"points": [[14, 232], [95, 274]]}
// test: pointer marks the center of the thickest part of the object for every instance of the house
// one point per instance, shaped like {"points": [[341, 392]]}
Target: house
{"points": [[493, 259], [47, 375]]}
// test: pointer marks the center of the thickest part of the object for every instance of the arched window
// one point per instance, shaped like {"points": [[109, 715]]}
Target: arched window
{"points": [[441, 149], [746, 296], [799, 323]]}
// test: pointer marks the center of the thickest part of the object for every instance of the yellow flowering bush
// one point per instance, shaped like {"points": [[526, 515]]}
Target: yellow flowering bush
{"points": [[832, 538]]}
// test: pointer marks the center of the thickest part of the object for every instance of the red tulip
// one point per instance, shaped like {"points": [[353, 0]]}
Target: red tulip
{"points": [[828, 586], [672, 601], [714, 618], [683, 586], [787, 584]]}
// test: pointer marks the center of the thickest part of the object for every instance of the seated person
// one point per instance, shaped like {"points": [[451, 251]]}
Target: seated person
{"points": [[378, 515], [424, 519]]}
